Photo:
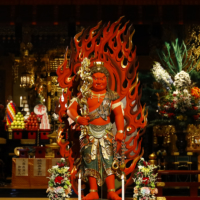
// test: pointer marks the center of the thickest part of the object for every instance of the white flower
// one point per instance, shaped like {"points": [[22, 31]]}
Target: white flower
{"points": [[161, 75], [166, 107], [185, 91], [182, 80], [175, 99], [62, 159], [175, 93], [66, 168], [55, 167], [140, 167]]}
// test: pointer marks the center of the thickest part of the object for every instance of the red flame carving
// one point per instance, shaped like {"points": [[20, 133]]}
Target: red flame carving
{"points": [[112, 46]]}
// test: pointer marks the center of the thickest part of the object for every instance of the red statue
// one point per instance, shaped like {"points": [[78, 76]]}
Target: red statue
{"points": [[113, 67]]}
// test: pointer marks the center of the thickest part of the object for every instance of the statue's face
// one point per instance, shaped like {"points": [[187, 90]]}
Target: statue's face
{"points": [[99, 81]]}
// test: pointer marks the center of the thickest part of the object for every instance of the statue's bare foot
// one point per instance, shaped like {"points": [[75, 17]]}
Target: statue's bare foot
{"points": [[91, 196], [113, 196]]}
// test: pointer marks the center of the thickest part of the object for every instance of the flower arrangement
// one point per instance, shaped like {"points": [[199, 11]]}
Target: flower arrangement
{"points": [[59, 184], [180, 104], [179, 100], [145, 180]]}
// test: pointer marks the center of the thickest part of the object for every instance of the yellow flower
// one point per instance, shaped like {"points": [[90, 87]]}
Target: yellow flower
{"points": [[145, 170], [180, 117]]}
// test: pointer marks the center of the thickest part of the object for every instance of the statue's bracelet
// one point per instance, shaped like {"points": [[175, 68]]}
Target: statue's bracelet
{"points": [[120, 131], [76, 119]]}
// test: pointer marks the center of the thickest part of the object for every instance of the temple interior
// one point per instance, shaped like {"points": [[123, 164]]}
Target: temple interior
{"points": [[151, 49]]}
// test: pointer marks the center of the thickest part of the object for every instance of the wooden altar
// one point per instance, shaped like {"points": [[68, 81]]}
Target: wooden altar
{"points": [[31, 181]]}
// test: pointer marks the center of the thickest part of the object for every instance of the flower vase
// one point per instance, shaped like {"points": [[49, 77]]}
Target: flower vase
{"points": [[181, 142]]}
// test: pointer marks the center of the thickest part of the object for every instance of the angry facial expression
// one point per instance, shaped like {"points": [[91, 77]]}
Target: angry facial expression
{"points": [[99, 81]]}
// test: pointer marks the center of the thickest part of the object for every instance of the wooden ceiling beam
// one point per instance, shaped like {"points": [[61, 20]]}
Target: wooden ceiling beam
{"points": [[99, 2]]}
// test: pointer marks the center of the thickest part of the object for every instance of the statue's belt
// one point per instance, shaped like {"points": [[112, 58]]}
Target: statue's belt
{"points": [[98, 131], [97, 134]]}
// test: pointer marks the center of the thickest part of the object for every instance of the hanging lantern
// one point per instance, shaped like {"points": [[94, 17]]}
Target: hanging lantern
{"points": [[26, 80]]}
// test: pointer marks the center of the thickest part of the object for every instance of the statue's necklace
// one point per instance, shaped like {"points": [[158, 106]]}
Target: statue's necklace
{"points": [[99, 96]]}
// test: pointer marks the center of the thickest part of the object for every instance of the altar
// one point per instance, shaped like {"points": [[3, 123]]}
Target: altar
{"points": [[31, 180]]}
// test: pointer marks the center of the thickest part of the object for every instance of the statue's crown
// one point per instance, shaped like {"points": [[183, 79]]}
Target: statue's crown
{"points": [[98, 66]]}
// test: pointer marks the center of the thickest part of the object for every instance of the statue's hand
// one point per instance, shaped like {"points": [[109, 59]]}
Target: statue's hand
{"points": [[119, 137], [83, 120]]}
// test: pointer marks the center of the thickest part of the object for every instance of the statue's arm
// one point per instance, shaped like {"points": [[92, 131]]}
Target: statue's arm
{"points": [[72, 112]]}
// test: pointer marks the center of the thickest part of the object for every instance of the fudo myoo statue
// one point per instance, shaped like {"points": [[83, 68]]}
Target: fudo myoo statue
{"points": [[96, 148], [113, 69]]}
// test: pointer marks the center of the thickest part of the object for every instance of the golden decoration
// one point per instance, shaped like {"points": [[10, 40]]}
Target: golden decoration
{"points": [[160, 184], [175, 153], [115, 165], [152, 156], [48, 83], [163, 131], [122, 166], [86, 79], [161, 198], [129, 129], [3, 141], [53, 140], [54, 80], [193, 40], [193, 135], [49, 104], [16, 150], [182, 118], [153, 159], [27, 141]]}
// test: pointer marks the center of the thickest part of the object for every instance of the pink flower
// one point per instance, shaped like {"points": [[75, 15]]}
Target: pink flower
{"points": [[145, 190]]}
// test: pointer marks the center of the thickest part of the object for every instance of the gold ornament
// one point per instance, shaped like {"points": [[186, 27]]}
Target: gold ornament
{"points": [[115, 165]]}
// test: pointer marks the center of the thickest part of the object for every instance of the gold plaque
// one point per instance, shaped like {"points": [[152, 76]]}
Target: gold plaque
{"points": [[161, 198], [160, 184], [176, 163], [27, 141], [2, 141], [175, 154]]}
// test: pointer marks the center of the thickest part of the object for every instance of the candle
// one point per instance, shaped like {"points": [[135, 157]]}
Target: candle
{"points": [[122, 186], [20, 102], [79, 186]]}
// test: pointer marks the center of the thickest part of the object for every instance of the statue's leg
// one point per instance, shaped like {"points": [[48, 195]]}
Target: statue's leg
{"points": [[110, 182], [93, 189]]}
